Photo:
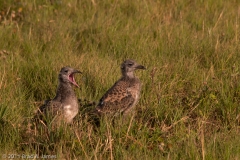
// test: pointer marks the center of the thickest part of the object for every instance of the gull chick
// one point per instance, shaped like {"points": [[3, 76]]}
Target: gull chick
{"points": [[122, 97], [65, 103]]}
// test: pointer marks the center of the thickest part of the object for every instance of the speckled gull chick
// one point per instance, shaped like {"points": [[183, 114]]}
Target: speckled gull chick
{"points": [[65, 103], [122, 97]]}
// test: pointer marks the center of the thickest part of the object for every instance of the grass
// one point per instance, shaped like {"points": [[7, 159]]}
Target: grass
{"points": [[189, 108]]}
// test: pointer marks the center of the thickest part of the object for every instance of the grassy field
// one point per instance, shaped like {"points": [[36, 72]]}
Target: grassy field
{"points": [[190, 103]]}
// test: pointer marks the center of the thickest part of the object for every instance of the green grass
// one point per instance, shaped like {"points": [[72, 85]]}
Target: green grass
{"points": [[189, 108]]}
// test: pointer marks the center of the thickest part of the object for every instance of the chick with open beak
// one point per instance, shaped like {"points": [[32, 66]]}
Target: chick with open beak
{"points": [[65, 103], [67, 75]]}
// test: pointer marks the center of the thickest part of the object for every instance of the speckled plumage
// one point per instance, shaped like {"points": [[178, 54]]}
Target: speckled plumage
{"points": [[124, 94], [65, 103]]}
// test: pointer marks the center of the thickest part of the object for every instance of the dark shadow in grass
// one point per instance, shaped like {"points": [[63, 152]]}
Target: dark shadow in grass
{"points": [[87, 113]]}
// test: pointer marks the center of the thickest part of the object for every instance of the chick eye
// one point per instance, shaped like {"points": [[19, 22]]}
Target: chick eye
{"points": [[130, 64], [66, 71]]}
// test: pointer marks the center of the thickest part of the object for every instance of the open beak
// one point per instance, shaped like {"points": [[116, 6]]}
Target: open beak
{"points": [[72, 79], [76, 71]]}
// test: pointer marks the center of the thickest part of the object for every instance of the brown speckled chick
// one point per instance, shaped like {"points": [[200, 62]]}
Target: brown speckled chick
{"points": [[124, 94], [65, 103]]}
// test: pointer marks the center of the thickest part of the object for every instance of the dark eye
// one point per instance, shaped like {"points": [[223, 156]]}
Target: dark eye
{"points": [[66, 71], [130, 64]]}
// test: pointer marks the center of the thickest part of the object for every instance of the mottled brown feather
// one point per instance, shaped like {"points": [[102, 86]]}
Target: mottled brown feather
{"points": [[123, 95]]}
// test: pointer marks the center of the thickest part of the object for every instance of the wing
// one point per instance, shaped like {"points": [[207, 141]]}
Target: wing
{"points": [[50, 111], [117, 99], [50, 108]]}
